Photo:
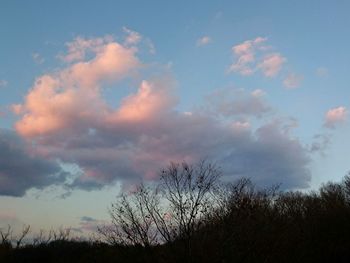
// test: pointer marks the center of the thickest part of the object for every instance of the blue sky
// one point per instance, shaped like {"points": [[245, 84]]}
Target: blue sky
{"points": [[260, 87]]}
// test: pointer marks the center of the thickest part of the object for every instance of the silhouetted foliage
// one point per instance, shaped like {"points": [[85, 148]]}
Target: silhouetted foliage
{"points": [[190, 217]]}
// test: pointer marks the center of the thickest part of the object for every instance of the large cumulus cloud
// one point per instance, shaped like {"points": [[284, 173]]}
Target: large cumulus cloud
{"points": [[68, 119]]}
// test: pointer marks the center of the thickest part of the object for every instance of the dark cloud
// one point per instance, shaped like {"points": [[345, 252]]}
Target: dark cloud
{"points": [[87, 219], [267, 155], [21, 170], [272, 156]]}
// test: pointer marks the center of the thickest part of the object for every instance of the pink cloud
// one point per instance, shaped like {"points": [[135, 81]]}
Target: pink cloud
{"points": [[254, 55], [149, 101], [113, 61], [271, 64], [335, 116], [57, 100], [245, 54], [69, 120], [80, 47]]}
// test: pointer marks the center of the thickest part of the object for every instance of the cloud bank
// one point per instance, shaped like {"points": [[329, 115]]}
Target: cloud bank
{"points": [[67, 118]]}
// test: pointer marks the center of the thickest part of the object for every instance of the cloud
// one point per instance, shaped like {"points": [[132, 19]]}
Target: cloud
{"points": [[203, 41], [38, 59], [335, 117], [322, 72], [292, 81], [132, 37], [21, 169], [320, 143], [80, 47], [258, 93], [87, 219], [88, 224], [56, 100], [271, 64], [271, 156], [66, 116], [238, 102], [254, 55], [3, 83]]}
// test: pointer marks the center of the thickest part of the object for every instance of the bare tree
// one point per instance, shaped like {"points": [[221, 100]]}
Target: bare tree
{"points": [[22, 235], [172, 210], [6, 235], [42, 238], [189, 192], [62, 234], [131, 221]]}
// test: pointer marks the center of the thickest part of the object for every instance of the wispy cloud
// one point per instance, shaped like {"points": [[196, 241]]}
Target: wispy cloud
{"points": [[132, 37], [293, 81], [203, 41], [322, 72], [38, 59], [3, 83]]}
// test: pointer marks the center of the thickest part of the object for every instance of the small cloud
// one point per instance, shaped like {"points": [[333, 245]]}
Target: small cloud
{"points": [[203, 41], [254, 55], [322, 72], [320, 143], [335, 116], [3, 83], [258, 93], [150, 45], [88, 224], [87, 219], [132, 37], [272, 64], [38, 59], [293, 81]]}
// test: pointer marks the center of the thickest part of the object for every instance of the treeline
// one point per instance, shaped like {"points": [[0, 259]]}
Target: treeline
{"points": [[190, 216]]}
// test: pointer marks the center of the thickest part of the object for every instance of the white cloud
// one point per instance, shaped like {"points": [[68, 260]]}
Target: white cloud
{"points": [[205, 40], [258, 93]]}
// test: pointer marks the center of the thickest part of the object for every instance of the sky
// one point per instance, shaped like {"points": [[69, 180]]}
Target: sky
{"points": [[98, 96]]}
